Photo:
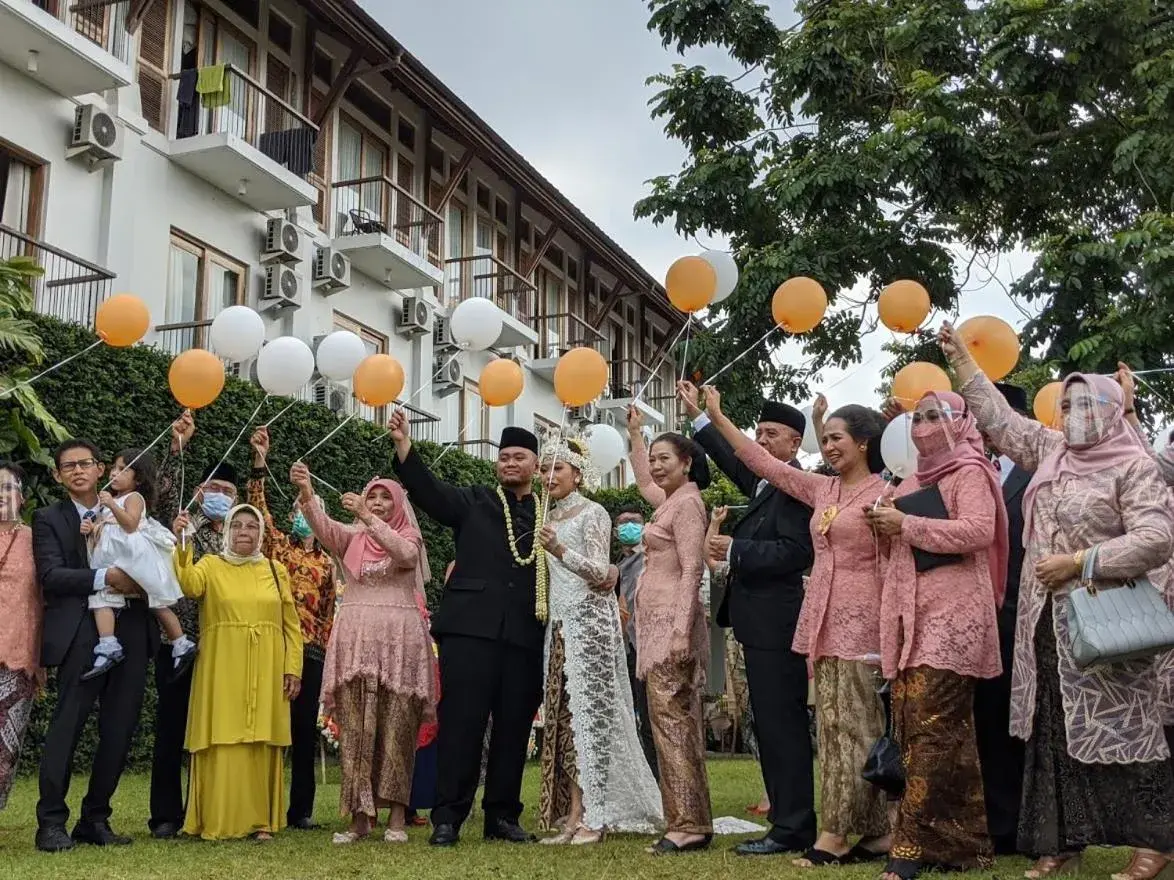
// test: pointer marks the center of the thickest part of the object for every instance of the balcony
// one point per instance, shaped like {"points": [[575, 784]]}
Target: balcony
{"points": [[486, 450], [627, 379], [486, 276], [72, 48], [386, 231], [71, 288], [558, 335], [245, 141]]}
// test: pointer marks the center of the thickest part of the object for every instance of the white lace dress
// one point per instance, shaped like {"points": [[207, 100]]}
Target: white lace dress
{"points": [[590, 727]]}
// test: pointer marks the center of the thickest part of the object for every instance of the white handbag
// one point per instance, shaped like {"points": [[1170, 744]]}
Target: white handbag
{"points": [[1126, 622]]}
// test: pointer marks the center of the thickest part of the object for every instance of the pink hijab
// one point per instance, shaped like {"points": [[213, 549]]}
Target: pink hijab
{"points": [[364, 549], [965, 449], [1118, 442]]}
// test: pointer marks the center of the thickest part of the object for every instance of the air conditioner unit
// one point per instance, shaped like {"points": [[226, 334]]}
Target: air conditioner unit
{"points": [[283, 289], [333, 396], [441, 335], [415, 317], [283, 242], [331, 270], [96, 135], [448, 374], [584, 413]]}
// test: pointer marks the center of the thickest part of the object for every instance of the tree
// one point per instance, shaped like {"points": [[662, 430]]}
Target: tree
{"points": [[23, 418], [881, 139]]}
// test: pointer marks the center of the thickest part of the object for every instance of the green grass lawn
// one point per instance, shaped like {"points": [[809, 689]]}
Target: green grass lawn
{"points": [[297, 855]]}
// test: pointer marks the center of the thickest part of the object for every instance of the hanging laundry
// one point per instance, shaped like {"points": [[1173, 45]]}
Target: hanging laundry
{"points": [[213, 84]]}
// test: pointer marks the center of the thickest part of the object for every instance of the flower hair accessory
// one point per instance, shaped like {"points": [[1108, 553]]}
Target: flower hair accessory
{"points": [[572, 450]]}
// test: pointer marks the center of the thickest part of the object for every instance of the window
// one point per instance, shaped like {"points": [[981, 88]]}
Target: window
{"points": [[249, 10], [376, 343], [323, 66], [501, 212], [281, 33], [436, 158], [406, 132], [544, 427], [474, 426], [200, 284], [370, 105], [360, 156], [21, 188], [454, 231], [483, 196]]}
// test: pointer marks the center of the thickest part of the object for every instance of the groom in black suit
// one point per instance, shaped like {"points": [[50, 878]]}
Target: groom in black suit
{"points": [[69, 637], [1001, 754], [769, 553]]}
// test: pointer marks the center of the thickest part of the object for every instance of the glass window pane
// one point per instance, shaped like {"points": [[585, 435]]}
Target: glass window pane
{"points": [[225, 284], [183, 286]]}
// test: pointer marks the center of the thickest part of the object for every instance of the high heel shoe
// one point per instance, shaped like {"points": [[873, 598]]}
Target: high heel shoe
{"points": [[1146, 864], [563, 838], [585, 836]]}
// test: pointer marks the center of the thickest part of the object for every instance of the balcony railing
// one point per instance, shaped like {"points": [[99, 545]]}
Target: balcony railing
{"points": [[560, 333], [483, 449], [628, 377], [179, 337], [377, 204], [71, 288], [102, 22], [251, 112], [486, 276], [424, 425]]}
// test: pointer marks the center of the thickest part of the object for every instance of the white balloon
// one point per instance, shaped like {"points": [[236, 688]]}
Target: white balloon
{"points": [[897, 449], [284, 366], [606, 446], [727, 273], [237, 333], [810, 441], [339, 354], [475, 324]]}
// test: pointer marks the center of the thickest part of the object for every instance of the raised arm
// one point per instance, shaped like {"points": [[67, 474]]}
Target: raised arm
{"points": [[447, 504], [403, 552], [714, 444], [193, 576], [1164, 459], [276, 543], [971, 526], [592, 561], [638, 458], [331, 534], [129, 514], [168, 502], [1148, 542]]}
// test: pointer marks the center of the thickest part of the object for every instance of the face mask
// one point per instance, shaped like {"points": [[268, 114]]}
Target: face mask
{"points": [[930, 438], [299, 528], [216, 505], [629, 533]]}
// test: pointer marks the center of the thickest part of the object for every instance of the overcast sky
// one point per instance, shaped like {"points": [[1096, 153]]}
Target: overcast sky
{"points": [[563, 82]]}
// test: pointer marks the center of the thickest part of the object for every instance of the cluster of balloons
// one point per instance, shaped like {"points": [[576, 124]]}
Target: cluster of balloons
{"points": [[703, 280]]}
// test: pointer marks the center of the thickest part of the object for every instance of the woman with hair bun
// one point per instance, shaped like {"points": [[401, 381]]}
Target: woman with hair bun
{"points": [[673, 644], [839, 623]]}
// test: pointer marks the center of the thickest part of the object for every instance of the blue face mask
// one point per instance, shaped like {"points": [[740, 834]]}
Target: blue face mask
{"points": [[299, 528], [215, 505], [629, 533]]}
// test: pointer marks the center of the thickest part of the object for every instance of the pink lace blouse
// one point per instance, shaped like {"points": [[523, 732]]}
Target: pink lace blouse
{"points": [[20, 599], [670, 622], [944, 618], [840, 616], [379, 634]]}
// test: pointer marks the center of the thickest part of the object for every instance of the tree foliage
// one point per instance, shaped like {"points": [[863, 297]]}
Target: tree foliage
{"points": [[885, 139]]}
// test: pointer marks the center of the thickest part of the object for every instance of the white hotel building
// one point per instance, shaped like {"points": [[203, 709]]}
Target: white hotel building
{"points": [[331, 182]]}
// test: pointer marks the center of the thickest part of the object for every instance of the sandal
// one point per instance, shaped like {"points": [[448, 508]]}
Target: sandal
{"points": [[903, 869], [561, 839], [585, 836], [665, 847], [1146, 864], [1050, 866], [395, 835], [817, 858], [342, 838], [862, 855]]}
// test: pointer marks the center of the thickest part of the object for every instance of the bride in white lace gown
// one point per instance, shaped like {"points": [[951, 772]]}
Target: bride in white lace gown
{"points": [[594, 774]]}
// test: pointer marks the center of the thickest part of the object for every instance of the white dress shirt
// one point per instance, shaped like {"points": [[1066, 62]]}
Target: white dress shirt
{"points": [[83, 512]]}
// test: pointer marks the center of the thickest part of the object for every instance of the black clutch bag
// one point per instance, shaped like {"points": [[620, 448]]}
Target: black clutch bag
{"points": [[928, 503], [883, 767]]}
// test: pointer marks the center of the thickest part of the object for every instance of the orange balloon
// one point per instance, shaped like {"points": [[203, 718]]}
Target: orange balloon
{"points": [[798, 304], [122, 320], [993, 345], [914, 381], [580, 376], [196, 378], [501, 382], [378, 380], [903, 306], [691, 283], [1047, 404]]}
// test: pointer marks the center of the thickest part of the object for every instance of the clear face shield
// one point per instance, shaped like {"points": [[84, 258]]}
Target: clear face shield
{"points": [[1086, 414], [934, 430], [11, 496]]}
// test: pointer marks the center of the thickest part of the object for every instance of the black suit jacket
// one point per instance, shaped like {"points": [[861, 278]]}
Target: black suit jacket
{"points": [[771, 552], [1013, 491], [67, 581], [488, 595]]}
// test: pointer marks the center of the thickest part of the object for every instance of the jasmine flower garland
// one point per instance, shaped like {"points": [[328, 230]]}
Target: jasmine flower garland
{"points": [[537, 555]]}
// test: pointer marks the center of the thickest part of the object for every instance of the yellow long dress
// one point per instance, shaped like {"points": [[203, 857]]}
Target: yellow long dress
{"points": [[238, 720]]}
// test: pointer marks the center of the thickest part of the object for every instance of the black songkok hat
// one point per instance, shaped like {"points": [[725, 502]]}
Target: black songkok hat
{"points": [[223, 471], [519, 438], [1015, 396], [784, 415]]}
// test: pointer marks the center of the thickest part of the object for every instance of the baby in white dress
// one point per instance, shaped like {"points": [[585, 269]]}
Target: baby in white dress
{"points": [[125, 537]]}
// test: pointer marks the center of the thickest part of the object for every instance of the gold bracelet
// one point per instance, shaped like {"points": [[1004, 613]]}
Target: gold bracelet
{"points": [[1078, 559]]}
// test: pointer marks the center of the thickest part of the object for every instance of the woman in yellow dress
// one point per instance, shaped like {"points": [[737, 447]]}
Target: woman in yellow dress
{"points": [[248, 671]]}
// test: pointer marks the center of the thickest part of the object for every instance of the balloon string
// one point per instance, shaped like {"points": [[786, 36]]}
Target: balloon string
{"points": [[231, 446], [400, 405], [56, 366], [284, 410], [326, 484], [142, 452], [452, 443], [667, 349], [182, 480], [685, 356], [753, 346], [276, 482], [1154, 392], [318, 445]]}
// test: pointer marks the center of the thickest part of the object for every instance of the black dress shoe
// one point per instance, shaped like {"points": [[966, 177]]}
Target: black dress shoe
{"points": [[445, 835], [54, 839], [665, 847], [98, 669], [166, 830], [766, 846], [185, 664], [304, 824], [510, 832], [98, 834]]}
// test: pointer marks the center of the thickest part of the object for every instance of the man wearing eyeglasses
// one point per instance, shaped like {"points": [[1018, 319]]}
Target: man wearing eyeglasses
{"points": [[68, 641]]}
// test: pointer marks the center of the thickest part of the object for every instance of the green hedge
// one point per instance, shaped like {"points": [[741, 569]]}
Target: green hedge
{"points": [[119, 398]]}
